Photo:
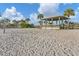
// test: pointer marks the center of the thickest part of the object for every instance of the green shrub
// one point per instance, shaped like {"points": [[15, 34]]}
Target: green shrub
{"points": [[24, 24]]}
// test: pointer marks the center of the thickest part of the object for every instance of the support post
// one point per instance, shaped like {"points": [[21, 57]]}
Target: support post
{"points": [[56, 22], [52, 21], [68, 24], [46, 23], [59, 21], [62, 24]]}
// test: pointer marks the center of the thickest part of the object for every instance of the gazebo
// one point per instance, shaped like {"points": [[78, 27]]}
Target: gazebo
{"points": [[53, 22]]}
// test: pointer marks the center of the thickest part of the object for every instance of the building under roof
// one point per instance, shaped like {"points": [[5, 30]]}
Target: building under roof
{"points": [[49, 21]]}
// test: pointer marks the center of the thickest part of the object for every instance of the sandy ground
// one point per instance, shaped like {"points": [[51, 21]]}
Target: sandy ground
{"points": [[39, 42]]}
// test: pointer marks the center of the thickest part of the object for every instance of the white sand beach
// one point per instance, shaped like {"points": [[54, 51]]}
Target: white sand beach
{"points": [[39, 42]]}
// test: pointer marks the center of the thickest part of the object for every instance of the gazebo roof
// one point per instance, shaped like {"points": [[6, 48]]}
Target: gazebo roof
{"points": [[55, 18]]}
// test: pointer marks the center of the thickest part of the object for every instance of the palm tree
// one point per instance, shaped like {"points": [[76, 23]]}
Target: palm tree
{"points": [[7, 20], [14, 21], [4, 21], [27, 19], [40, 16], [69, 12]]}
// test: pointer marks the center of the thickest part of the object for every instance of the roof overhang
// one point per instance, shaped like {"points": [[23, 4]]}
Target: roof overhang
{"points": [[54, 18]]}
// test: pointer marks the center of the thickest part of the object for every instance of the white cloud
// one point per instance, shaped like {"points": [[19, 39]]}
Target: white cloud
{"points": [[34, 19], [49, 9], [78, 9], [12, 14]]}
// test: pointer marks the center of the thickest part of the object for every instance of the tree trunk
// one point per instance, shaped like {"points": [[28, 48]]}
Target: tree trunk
{"points": [[4, 28]]}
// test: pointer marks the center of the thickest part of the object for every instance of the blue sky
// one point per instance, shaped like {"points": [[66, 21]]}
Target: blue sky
{"points": [[25, 9], [31, 10]]}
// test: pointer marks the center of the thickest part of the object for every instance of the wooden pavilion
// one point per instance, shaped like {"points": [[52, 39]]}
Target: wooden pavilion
{"points": [[54, 22]]}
